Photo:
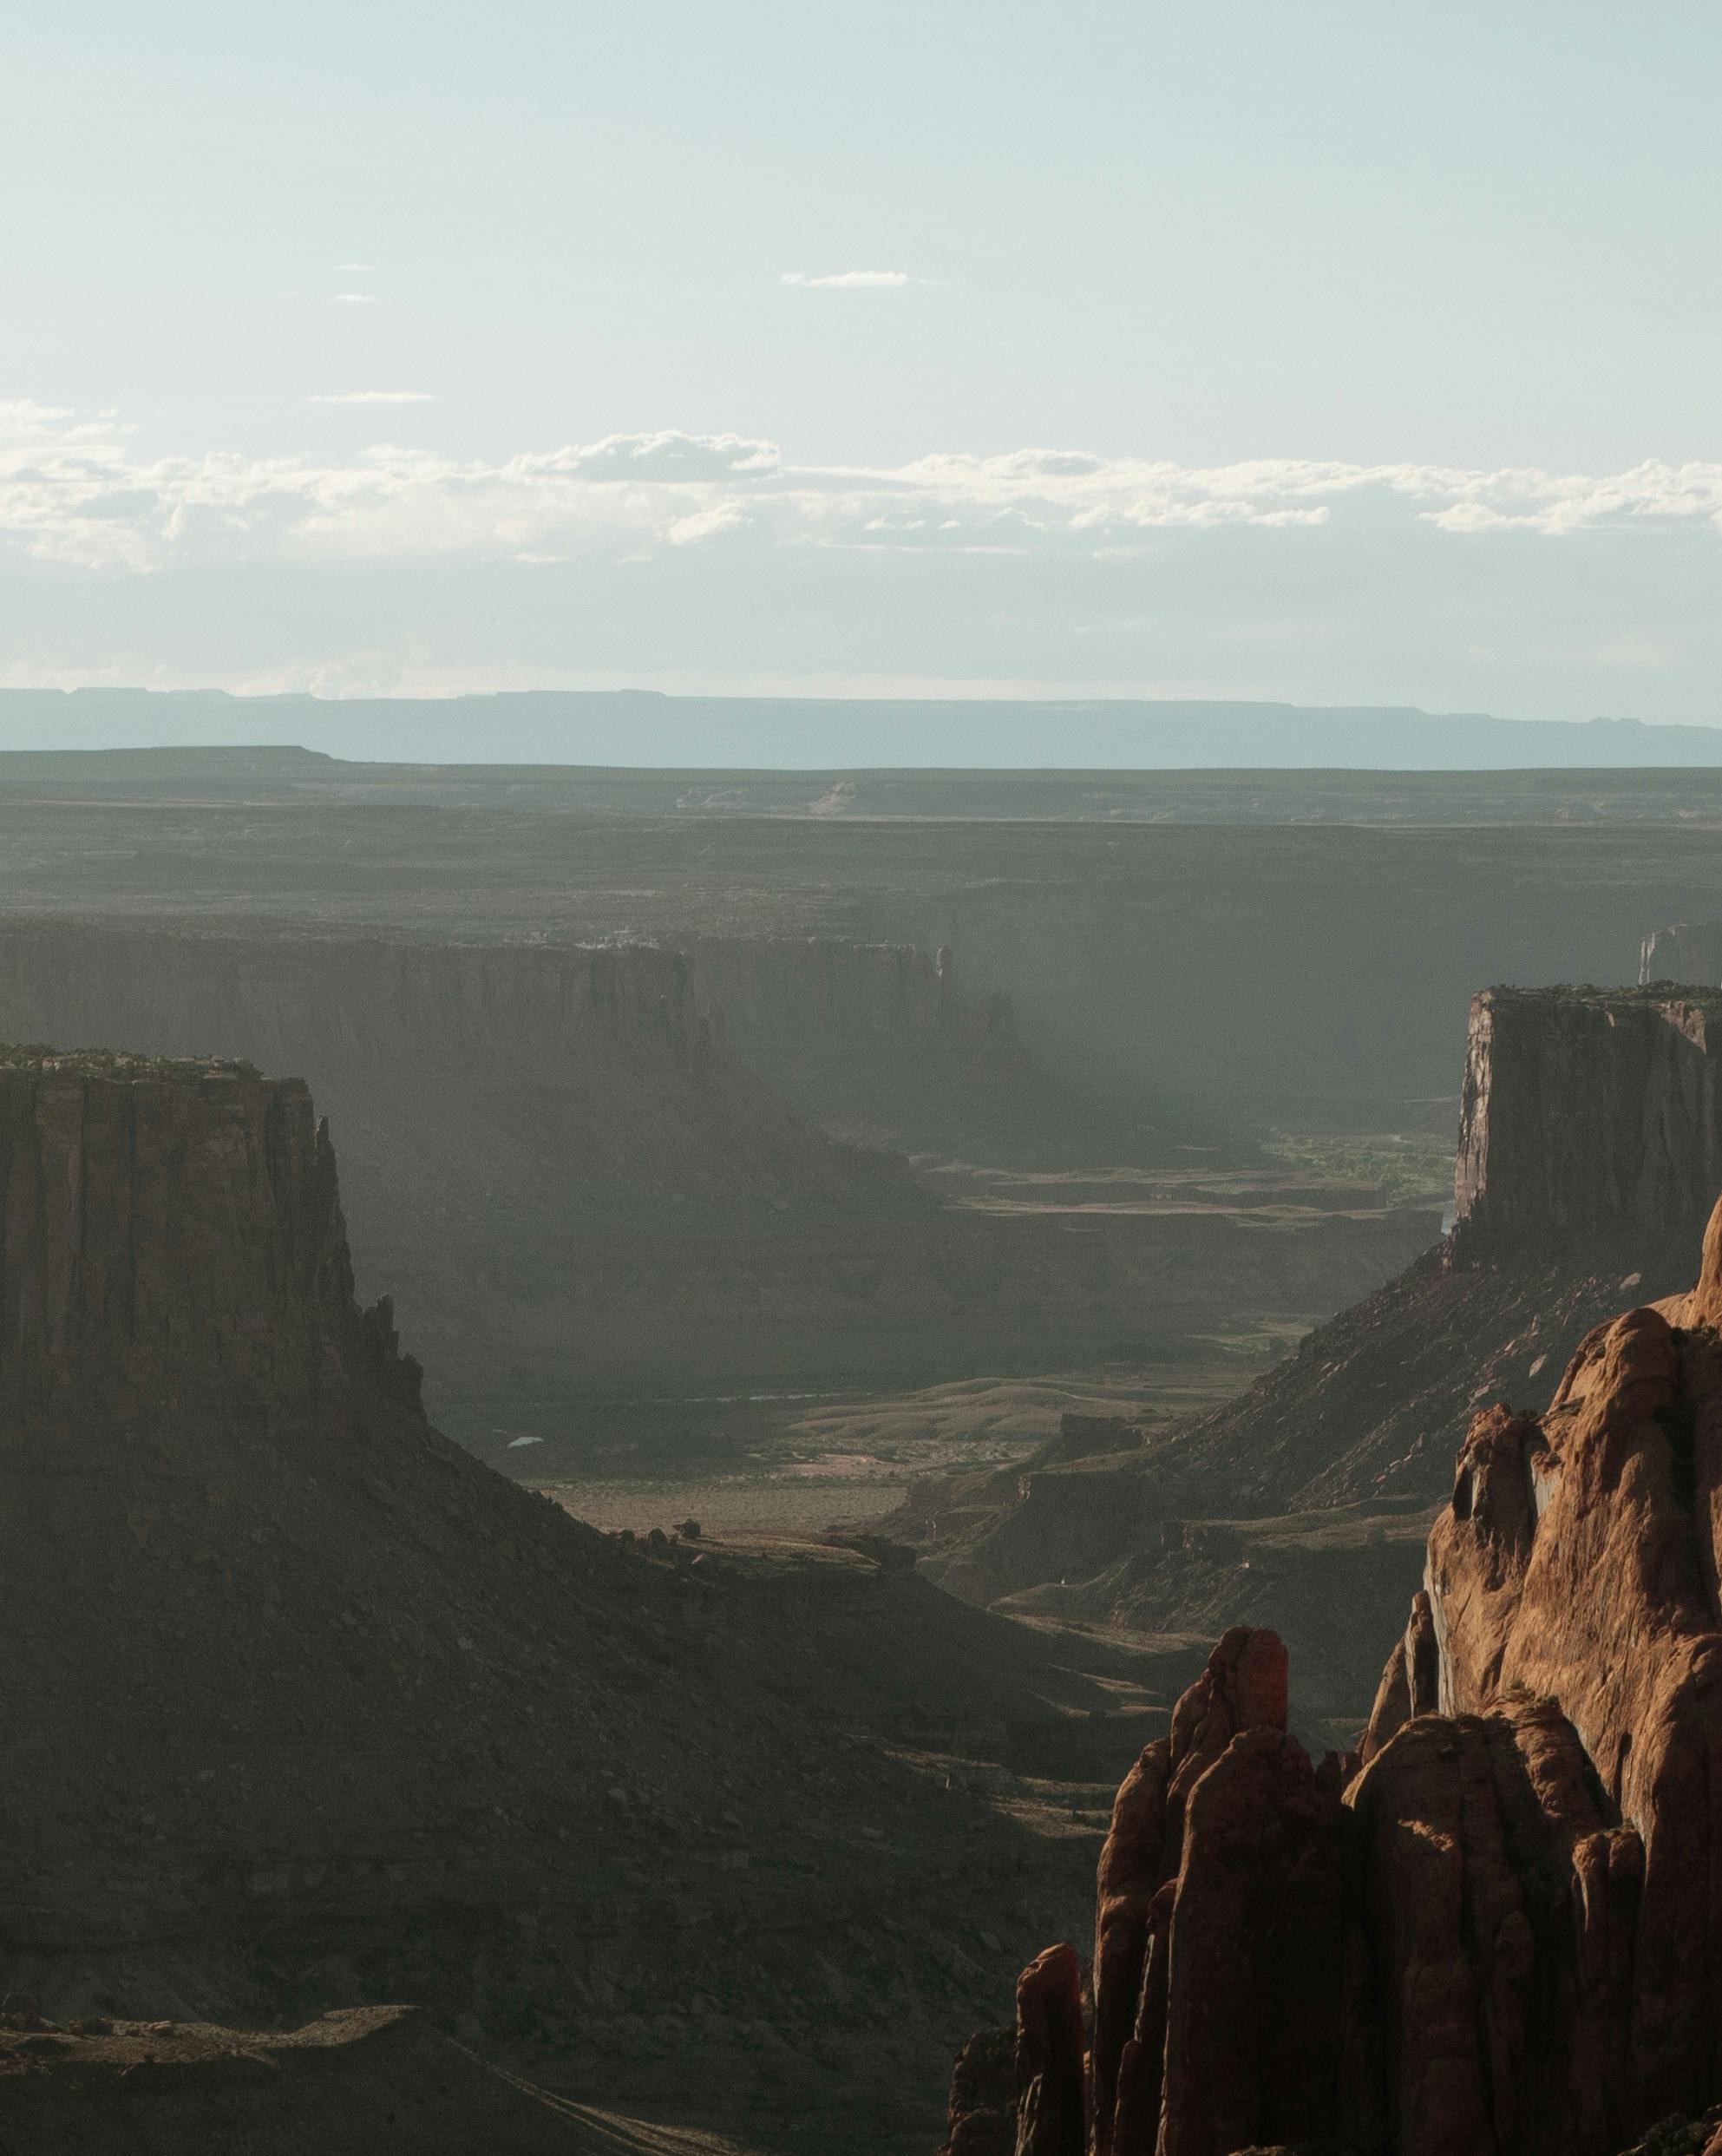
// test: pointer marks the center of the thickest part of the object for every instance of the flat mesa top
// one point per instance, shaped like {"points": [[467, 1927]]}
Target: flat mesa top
{"points": [[117, 1066], [1653, 995]]}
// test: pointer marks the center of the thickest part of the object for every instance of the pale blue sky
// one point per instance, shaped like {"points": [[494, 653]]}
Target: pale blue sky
{"points": [[1377, 253]]}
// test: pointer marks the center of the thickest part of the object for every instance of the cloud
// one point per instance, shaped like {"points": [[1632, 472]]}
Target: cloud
{"points": [[74, 489], [354, 269], [666, 457], [354, 299], [22, 419], [853, 280], [374, 396]]}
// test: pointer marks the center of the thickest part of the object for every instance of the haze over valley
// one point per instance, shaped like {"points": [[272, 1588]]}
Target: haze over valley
{"points": [[860, 1081]]}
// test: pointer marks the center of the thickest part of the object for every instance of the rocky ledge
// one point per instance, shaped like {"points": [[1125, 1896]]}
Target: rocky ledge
{"points": [[1494, 1931]]}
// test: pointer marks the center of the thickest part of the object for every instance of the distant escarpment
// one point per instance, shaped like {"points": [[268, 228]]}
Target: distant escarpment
{"points": [[874, 1041], [1590, 1152], [1494, 1930], [569, 1179]]}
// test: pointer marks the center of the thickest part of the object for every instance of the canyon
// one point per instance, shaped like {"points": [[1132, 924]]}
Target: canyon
{"points": [[311, 1711], [1590, 1152], [1204, 977], [679, 1833], [570, 1178]]}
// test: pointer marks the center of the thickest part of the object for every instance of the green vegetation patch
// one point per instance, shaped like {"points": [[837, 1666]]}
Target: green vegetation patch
{"points": [[1409, 1167], [117, 1064]]}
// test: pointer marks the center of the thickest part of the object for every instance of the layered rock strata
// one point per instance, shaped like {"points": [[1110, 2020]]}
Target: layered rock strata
{"points": [[1496, 1931]]}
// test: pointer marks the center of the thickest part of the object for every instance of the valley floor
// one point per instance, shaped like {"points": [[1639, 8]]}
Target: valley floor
{"points": [[796, 1463]]}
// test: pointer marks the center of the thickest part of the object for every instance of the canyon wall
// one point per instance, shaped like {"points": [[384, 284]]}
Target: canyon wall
{"points": [[1494, 1931], [173, 1231], [875, 1041], [589, 1076], [566, 1177], [1311, 976], [1588, 1114]]}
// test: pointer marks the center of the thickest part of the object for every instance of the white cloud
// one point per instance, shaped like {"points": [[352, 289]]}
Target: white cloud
{"points": [[853, 280], [354, 299], [73, 488], [374, 396], [22, 419], [354, 269]]}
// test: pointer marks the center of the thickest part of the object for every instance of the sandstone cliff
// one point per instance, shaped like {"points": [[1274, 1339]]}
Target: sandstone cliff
{"points": [[305, 1707], [1587, 1113], [586, 1078], [171, 1231], [1495, 1932]]}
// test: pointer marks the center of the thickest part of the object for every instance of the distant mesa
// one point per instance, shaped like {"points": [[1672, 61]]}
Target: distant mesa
{"points": [[834, 737]]}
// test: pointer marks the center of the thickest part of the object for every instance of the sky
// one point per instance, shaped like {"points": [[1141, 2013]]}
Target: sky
{"points": [[1342, 353]]}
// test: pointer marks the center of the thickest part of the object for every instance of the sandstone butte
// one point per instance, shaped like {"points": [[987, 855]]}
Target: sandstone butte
{"points": [[1496, 1929]]}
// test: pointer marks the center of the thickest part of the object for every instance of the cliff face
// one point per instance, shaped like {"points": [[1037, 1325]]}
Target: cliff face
{"points": [[1588, 1114], [1495, 1933], [585, 1080], [555, 1161], [875, 1041], [567, 1177], [172, 1229]]}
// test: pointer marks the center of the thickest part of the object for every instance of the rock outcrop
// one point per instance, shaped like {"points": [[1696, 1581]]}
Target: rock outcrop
{"points": [[171, 1231], [1496, 1932]]}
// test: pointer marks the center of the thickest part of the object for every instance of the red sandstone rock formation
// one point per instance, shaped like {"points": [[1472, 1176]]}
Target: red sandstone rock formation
{"points": [[1503, 1935], [983, 2096], [1219, 1880], [1052, 2102]]}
